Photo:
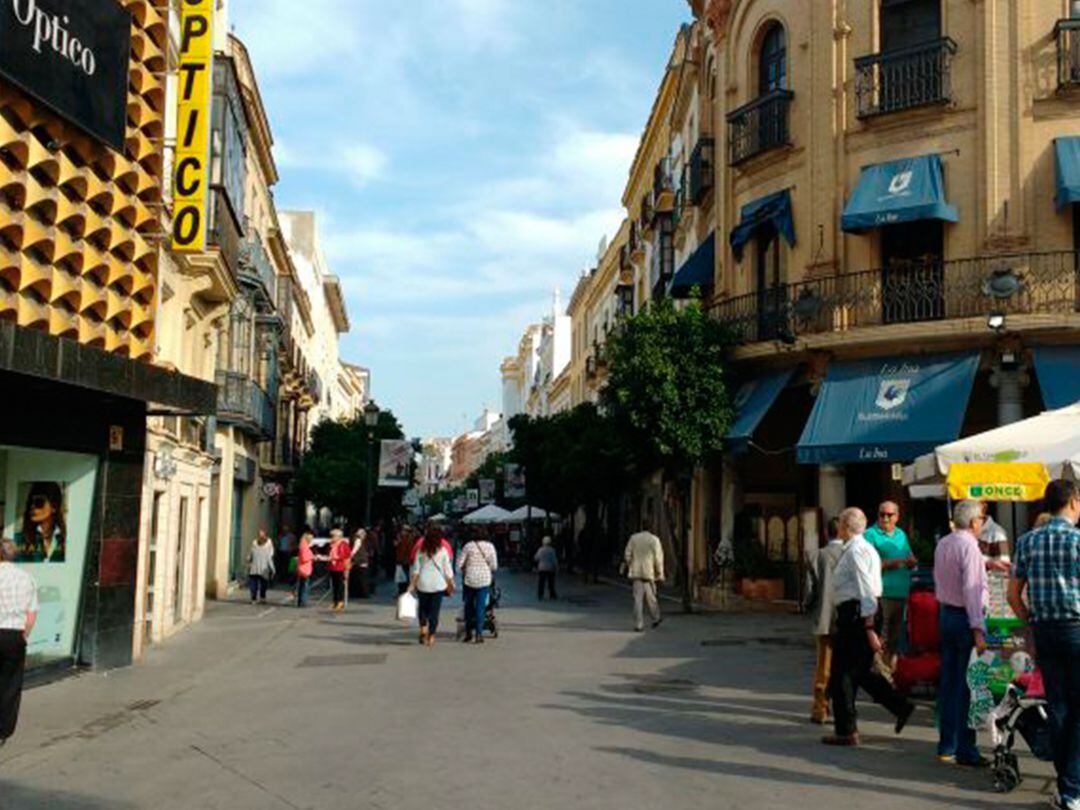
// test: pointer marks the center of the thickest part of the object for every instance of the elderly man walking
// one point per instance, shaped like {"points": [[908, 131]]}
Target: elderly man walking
{"points": [[1047, 569], [891, 544], [960, 585], [644, 559], [18, 612], [856, 589]]}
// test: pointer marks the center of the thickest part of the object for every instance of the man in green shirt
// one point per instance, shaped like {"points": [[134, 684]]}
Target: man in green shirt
{"points": [[892, 546]]}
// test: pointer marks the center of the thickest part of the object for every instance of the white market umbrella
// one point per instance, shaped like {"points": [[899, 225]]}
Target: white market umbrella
{"points": [[1052, 439], [439, 518], [487, 514], [521, 514]]}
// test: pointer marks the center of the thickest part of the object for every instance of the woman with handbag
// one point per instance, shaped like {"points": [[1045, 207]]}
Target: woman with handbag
{"points": [[432, 578]]}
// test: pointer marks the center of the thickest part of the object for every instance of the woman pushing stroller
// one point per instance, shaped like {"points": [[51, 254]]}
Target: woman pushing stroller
{"points": [[477, 563]]}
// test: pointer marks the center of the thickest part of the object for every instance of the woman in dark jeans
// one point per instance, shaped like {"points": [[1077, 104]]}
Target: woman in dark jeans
{"points": [[432, 578]]}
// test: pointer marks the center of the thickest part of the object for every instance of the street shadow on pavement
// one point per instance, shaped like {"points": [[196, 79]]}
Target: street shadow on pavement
{"points": [[18, 797]]}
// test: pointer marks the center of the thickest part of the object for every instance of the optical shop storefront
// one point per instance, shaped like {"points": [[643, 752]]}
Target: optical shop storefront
{"points": [[72, 449]]}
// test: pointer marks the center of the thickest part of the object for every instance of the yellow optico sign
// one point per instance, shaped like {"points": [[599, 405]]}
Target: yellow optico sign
{"points": [[191, 175], [1022, 481]]}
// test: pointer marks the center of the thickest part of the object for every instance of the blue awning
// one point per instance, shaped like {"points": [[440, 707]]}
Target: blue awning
{"points": [[898, 191], [697, 271], [1067, 158], [775, 210], [1058, 370], [892, 409], [752, 402]]}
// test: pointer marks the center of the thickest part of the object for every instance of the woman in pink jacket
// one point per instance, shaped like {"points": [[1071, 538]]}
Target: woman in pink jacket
{"points": [[305, 567]]}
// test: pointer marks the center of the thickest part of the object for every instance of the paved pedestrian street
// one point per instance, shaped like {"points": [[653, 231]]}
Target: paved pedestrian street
{"points": [[274, 708]]}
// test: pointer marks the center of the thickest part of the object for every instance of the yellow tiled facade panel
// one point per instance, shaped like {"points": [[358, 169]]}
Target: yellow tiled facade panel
{"points": [[80, 224]]}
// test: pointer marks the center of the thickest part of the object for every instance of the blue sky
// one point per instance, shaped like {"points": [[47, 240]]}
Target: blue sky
{"points": [[465, 157]]}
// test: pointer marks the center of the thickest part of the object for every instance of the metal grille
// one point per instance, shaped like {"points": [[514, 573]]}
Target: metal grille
{"points": [[759, 126], [1013, 284], [347, 660], [1067, 33], [904, 79]]}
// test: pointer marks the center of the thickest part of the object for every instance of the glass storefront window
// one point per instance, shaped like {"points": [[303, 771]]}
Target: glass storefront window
{"points": [[45, 501]]}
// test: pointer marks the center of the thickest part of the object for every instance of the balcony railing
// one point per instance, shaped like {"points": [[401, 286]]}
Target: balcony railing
{"points": [[1067, 33], [702, 170], [224, 234], [284, 298], [904, 79], [243, 403], [1012, 284], [256, 271], [759, 126]]}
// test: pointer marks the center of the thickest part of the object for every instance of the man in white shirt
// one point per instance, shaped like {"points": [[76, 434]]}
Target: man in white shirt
{"points": [[644, 558], [18, 612], [856, 590]]}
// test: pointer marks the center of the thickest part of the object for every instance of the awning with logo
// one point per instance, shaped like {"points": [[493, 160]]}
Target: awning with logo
{"points": [[697, 271], [1067, 160], [888, 409], [774, 210], [904, 190], [1058, 370], [752, 402]]}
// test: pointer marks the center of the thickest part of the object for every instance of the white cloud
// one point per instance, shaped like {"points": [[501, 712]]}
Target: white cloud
{"points": [[364, 162]]}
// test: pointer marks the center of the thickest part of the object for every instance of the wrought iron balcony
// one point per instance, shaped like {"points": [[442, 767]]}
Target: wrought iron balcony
{"points": [[932, 290], [1067, 33], [759, 126], [645, 221], [243, 403], [624, 301], [702, 170], [904, 79], [256, 272]]}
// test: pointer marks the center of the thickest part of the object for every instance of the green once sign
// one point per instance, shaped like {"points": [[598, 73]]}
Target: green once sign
{"points": [[997, 491]]}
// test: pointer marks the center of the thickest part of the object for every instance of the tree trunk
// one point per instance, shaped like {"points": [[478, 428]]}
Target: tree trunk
{"points": [[684, 556]]}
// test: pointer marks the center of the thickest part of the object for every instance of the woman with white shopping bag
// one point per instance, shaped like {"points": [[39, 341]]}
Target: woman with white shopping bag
{"points": [[432, 578]]}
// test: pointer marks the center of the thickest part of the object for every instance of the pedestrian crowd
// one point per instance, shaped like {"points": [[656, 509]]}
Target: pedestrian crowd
{"points": [[862, 585]]}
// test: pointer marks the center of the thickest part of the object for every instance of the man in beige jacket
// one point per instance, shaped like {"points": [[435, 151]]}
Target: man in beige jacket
{"points": [[645, 567]]}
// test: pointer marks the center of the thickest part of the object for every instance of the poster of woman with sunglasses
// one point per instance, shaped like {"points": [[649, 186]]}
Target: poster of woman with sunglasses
{"points": [[43, 538]]}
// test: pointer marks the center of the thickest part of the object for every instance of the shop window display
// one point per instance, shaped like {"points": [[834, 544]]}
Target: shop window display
{"points": [[45, 501]]}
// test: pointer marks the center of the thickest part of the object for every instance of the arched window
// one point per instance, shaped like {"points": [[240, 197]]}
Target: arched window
{"points": [[772, 60]]}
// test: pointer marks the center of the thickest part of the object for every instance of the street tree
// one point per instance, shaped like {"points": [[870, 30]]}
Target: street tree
{"points": [[335, 472], [667, 392]]}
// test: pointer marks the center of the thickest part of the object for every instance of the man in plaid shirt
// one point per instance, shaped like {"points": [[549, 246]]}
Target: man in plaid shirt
{"points": [[1047, 570]]}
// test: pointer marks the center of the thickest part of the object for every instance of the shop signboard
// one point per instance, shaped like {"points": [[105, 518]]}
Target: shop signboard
{"points": [[395, 464], [46, 499], [72, 56], [472, 498], [998, 481], [487, 490], [191, 173]]}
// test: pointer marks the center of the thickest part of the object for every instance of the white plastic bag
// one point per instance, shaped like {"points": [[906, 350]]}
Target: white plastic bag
{"points": [[406, 607]]}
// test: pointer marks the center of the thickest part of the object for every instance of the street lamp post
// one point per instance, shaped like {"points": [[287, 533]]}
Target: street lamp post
{"points": [[371, 419]]}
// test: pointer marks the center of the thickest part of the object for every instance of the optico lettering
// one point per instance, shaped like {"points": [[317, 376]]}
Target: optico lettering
{"points": [[51, 31]]}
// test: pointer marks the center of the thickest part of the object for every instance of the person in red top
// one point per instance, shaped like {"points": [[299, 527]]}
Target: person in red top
{"points": [[305, 567], [420, 542], [340, 555]]}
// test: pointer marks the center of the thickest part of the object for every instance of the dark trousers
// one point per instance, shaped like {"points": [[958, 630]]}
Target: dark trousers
{"points": [[428, 610], [358, 582], [257, 585], [954, 697], [337, 584], [546, 578], [852, 669], [12, 666], [1057, 648], [475, 605], [302, 586]]}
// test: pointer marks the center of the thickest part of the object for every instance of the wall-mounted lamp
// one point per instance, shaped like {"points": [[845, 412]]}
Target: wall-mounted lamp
{"points": [[996, 321]]}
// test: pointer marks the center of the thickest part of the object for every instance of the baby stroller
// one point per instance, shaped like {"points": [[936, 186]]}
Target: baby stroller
{"points": [[1024, 714], [491, 623]]}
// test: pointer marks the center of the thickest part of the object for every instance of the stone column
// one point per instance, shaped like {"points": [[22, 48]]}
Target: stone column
{"points": [[1010, 379]]}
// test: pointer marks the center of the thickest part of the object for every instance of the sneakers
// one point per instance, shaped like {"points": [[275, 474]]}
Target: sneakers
{"points": [[978, 762], [658, 622], [947, 759], [1058, 804]]}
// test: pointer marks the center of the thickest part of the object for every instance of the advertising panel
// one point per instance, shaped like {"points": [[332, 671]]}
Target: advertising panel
{"points": [[46, 499], [72, 56], [487, 490], [191, 174], [395, 463], [515, 481]]}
